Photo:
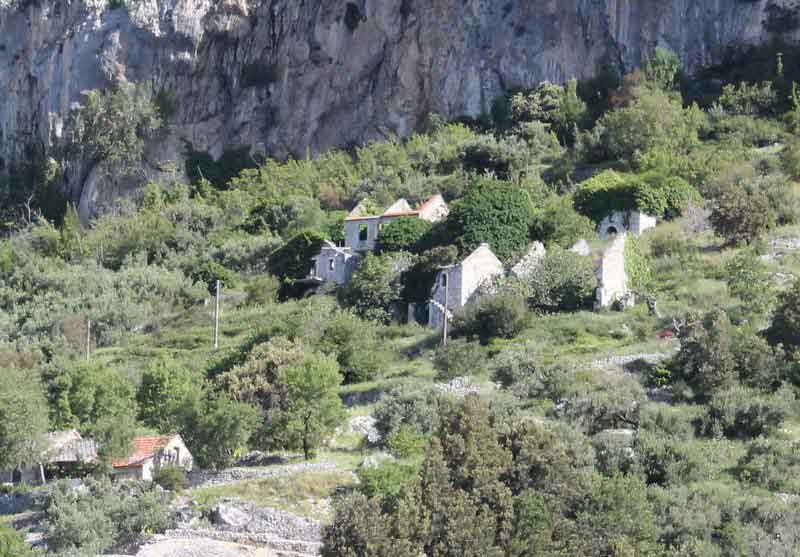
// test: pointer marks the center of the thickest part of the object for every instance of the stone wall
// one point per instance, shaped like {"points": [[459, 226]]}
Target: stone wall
{"points": [[612, 277], [352, 233]]}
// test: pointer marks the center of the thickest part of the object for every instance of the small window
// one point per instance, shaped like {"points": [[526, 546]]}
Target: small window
{"points": [[363, 233], [331, 264], [444, 280]]}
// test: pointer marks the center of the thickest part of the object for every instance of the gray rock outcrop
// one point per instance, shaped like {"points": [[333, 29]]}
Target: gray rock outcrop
{"points": [[283, 77]]}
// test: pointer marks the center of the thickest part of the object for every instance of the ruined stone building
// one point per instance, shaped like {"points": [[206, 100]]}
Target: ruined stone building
{"points": [[612, 277], [65, 454], [619, 222], [361, 230], [459, 283], [336, 264]]}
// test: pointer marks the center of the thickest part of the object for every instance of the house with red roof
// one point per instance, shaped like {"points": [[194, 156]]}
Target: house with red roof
{"points": [[361, 229], [150, 454]]}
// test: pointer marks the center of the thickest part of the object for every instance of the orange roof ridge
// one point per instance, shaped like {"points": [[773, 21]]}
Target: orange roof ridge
{"points": [[145, 447]]}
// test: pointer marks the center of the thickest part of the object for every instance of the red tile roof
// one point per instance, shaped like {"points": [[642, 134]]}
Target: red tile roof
{"points": [[145, 448]]}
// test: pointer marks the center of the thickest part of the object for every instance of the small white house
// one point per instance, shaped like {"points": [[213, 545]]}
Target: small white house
{"points": [[619, 222], [150, 454], [458, 283], [335, 264]]}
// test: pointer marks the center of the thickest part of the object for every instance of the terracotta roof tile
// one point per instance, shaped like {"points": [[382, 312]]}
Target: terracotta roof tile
{"points": [[145, 448]]}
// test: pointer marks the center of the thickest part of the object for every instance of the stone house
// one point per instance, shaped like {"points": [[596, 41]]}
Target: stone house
{"points": [[461, 282], [65, 454], [150, 454], [619, 222], [361, 230], [334, 264]]}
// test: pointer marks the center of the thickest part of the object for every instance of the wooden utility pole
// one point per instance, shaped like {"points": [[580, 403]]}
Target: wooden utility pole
{"points": [[444, 325], [216, 316], [88, 339]]}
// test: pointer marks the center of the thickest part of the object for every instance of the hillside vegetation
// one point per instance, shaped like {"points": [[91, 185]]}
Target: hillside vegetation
{"points": [[543, 427]]}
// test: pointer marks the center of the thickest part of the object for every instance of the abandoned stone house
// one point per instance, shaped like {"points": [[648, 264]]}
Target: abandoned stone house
{"points": [[336, 264], [456, 285], [619, 222], [361, 230], [150, 454], [65, 454]]}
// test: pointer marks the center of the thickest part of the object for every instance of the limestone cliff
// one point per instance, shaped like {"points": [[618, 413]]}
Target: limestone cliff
{"points": [[286, 77]]}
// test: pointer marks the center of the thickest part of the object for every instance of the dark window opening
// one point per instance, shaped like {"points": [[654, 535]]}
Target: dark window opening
{"points": [[331, 264], [363, 233]]}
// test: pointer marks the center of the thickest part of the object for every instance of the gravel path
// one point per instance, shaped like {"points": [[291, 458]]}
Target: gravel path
{"points": [[200, 548]]}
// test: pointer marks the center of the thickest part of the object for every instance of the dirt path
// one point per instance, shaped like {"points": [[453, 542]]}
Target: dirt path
{"points": [[197, 547]]}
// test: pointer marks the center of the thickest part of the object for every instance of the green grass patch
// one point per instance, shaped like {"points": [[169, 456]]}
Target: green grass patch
{"points": [[299, 494]]}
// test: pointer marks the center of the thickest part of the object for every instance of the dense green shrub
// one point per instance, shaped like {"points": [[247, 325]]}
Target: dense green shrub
{"points": [[669, 461], [171, 478], [23, 418], [293, 260], [168, 396], [749, 98], [515, 364], [493, 212], [209, 272], [706, 360], [506, 159], [416, 408], [741, 214], [565, 281], [93, 520], [637, 266], [404, 234], [473, 469], [491, 316], [385, 481], [559, 223], [652, 119], [652, 193], [113, 125], [99, 401], [374, 290], [221, 430], [602, 194], [772, 464], [559, 107], [418, 279], [613, 406], [785, 328], [356, 346], [459, 357], [739, 412]]}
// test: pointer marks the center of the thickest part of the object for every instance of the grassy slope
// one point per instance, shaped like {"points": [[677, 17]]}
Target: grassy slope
{"points": [[696, 283]]}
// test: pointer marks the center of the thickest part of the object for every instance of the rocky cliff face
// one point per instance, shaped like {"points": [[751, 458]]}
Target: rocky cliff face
{"points": [[286, 77]]}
